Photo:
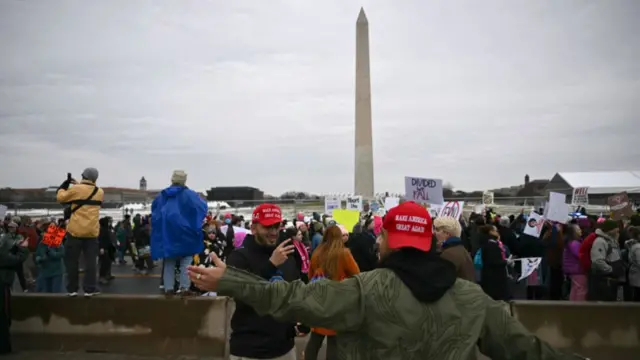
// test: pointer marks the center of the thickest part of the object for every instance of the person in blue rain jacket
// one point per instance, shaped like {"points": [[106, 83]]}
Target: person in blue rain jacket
{"points": [[177, 214]]}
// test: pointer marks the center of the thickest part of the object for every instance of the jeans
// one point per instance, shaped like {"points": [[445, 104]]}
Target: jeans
{"points": [[49, 284], [89, 248], [169, 273]]}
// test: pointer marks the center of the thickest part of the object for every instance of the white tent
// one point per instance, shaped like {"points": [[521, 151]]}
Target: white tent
{"points": [[604, 182]]}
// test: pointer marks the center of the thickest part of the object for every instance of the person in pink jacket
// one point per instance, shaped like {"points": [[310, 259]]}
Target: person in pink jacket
{"points": [[571, 263]]}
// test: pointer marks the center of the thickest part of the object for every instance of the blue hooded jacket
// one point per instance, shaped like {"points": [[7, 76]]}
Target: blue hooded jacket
{"points": [[176, 223]]}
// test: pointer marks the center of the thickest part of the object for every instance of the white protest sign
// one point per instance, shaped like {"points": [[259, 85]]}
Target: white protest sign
{"points": [[330, 204], [354, 203], [453, 209], [534, 225], [423, 190], [580, 196], [434, 210], [487, 198], [391, 202], [528, 266], [557, 208], [3, 211]]}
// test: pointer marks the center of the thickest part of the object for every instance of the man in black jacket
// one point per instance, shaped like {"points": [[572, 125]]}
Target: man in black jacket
{"points": [[254, 336]]}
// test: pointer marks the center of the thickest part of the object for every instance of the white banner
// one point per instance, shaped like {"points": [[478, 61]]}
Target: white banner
{"points": [[330, 204], [580, 196], [423, 190], [354, 203], [557, 209], [391, 202], [528, 266]]}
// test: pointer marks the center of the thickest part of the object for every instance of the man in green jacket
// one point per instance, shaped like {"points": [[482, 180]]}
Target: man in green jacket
{"points": [[13, 252], [411, 307]]}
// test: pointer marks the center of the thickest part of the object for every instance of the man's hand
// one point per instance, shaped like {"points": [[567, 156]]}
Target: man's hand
{"points": [[206, 279], [281, 253]]}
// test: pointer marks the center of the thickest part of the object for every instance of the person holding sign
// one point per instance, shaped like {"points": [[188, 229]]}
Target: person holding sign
{"points": [[412, 307]]}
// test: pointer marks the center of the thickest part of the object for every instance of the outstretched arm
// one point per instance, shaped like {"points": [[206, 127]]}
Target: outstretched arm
{"points": [[329, 304]]}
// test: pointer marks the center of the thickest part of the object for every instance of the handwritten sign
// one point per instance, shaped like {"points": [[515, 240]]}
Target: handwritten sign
{"points": [[330, 204], [355, 203], [423, 190], [453, 209], [620, 206], [487, 198], [580, 196], [53, 236]]}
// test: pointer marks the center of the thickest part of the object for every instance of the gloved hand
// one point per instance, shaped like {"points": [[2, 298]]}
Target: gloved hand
{"points": [[65, 184]]}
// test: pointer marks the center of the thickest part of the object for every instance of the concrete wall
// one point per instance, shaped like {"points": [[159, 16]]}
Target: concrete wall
{"points": [[608, 331], [153, 325], [144, 325]]}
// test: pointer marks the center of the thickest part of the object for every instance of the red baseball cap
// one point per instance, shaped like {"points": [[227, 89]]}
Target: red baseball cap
{"points": [[408, 225], [267, 214]]}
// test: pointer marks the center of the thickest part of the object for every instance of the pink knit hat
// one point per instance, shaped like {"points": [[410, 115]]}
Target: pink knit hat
{"points": [[377, 225]]}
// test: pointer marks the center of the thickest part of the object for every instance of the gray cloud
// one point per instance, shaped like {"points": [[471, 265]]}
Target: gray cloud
{"points": [[262, 93]]}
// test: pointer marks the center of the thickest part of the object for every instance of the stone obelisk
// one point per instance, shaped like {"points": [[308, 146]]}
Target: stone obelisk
{"points": [[364, 138]]}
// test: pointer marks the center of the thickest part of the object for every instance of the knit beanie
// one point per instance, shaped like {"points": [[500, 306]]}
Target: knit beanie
{"points": [[179, 177], [609, 225]]}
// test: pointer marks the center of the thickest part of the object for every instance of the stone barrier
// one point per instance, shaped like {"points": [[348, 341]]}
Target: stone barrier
{"points": [[599, 330], [155, 326], [138, 325]]}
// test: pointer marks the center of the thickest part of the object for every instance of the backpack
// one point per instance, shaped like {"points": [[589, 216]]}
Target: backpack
{"points": [[477, 260], [584, 254]]}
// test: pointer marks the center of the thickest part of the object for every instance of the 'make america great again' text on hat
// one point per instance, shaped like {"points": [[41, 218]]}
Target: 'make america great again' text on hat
{"points": [[408, 225], [267, 214]]}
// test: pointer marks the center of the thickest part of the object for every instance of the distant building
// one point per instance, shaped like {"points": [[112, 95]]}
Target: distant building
{"points": [[601, 184], [234, 193], [143, 184], [533, 188]]}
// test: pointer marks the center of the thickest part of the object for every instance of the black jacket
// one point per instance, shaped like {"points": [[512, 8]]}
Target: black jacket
{"points": [[362, 247], [254, 336]]}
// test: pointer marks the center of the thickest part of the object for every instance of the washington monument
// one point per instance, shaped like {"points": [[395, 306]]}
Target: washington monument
{"points": [[364, 142]]}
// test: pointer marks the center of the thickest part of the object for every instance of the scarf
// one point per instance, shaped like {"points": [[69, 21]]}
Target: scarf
{"points": [[304, 255]]}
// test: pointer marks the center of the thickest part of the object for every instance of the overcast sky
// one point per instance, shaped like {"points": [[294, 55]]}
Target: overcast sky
{"points": [[261, 93]]}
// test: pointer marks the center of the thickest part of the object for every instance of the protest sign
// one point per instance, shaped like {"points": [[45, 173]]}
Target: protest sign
{"points": [[3, 211], [557, 209], [580, 196], [534, 225], [391, 202], [330, 204], [487, 198], [423, 190], [355, 203], [54, 236], [453, 209], [347, 218], [528, 266], [620, 206]]}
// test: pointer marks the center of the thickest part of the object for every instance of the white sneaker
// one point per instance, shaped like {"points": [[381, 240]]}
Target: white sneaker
{"points": [[90, 294], [72, 294]]}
